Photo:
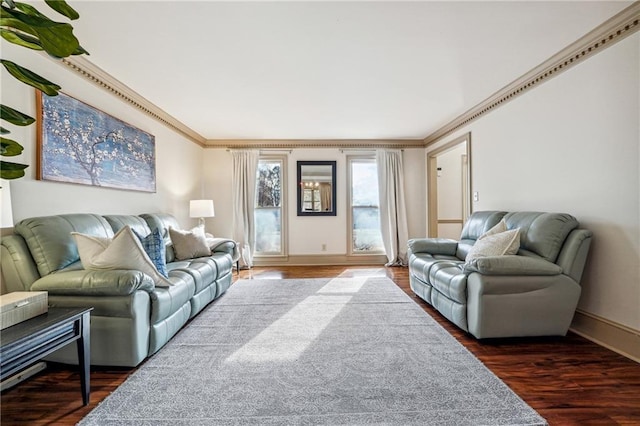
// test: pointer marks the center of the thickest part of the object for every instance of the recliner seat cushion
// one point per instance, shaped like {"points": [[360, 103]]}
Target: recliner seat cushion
{"points": [[123, 251]]}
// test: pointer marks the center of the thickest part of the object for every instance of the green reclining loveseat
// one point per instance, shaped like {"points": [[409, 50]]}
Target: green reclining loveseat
{"points": [[533, 292], [132, 317]]}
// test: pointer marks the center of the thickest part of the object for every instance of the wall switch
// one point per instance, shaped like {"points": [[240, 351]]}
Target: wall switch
{"points": [[476, 196]]}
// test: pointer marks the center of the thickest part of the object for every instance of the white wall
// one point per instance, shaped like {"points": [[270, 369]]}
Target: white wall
{"points": [[307, 234], [178, 160], [573, 145]]}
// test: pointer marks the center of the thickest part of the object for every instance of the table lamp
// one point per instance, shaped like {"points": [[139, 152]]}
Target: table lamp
{"points": [[201, 209]]}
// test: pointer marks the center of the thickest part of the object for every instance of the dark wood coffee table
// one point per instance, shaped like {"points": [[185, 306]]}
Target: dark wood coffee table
{"points": [[29, 341]]}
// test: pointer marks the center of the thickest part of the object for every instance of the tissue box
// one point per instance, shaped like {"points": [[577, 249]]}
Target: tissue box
{"points": [[20, 306]]}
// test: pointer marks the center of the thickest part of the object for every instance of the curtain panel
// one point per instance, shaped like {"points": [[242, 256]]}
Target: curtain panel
{"points": [[393, 213], [245, 169]]}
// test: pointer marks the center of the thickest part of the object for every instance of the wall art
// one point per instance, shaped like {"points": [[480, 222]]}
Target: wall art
{"points": [[81, 144]]}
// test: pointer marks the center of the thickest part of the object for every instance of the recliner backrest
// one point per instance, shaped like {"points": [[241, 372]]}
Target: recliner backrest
{"points": [[542, 234], [477, 224], [50, 241], [138, 224]]}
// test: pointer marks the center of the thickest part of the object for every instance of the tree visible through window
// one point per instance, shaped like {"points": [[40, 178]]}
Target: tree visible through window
{"points": [[268, 210], [365, 213]]}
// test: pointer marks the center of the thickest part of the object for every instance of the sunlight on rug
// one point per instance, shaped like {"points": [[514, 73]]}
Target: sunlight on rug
{"points": [[353, 350], [288, 337]]}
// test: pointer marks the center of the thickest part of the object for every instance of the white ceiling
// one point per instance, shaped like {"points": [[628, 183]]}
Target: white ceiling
{"points": [[325, 70]]}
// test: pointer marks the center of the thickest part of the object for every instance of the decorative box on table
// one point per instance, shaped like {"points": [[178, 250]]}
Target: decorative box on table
{"points": [[20, 306]]}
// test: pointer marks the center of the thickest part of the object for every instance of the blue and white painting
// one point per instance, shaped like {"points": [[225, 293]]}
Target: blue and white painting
{"points": [[81, 144]]}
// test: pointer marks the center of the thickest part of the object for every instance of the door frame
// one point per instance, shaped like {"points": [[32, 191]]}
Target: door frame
{"points": [[432, 182]]}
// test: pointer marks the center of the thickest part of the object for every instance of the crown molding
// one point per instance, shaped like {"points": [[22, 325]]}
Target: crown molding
{"points": [[608, 33], [315, 143], [98, 76], [603, 36]]}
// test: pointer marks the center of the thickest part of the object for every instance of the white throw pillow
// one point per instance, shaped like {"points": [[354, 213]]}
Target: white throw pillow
{"points": [[500, 244], [189, 244], [123, 251]]}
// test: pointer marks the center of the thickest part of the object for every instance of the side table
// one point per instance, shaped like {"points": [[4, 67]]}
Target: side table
{"points": [[29, 341]]}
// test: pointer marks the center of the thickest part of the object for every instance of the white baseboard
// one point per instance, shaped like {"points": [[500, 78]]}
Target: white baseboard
{"points": [[320, 260], [616, 337]]}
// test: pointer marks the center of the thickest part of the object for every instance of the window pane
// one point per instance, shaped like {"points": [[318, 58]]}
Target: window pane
{"points": [[268, 230], [269, 184], [366, 230], [364, 183]]}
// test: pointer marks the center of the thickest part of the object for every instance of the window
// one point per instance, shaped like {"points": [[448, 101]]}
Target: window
{"points": [[269, 203], [364, 223]]}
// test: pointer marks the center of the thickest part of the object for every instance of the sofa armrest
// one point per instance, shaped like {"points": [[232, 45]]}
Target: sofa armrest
{"points": [[94, 283], [512, 265], [224, 245], [441, 246]]}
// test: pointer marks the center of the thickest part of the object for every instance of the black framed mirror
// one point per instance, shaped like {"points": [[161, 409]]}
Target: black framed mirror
{"points": [[316, 188]]}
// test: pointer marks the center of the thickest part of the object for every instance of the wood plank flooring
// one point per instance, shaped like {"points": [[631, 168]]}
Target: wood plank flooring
{"points": [[568, 380]]}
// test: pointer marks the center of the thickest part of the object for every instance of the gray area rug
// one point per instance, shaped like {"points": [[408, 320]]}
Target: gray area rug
{"points": [[342, 351]]}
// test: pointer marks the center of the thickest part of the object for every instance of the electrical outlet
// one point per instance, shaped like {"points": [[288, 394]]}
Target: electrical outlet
{"points": [[324, 247]]}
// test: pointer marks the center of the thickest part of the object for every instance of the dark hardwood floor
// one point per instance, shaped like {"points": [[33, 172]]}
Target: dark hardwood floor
{"points": [[568, 380]]}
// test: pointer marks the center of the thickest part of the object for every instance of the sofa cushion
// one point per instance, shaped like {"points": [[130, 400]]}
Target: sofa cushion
{"points": [[136, 223], [123, 251], [499, 244], [189, 244], [204, 273], [450, 280], [50, 242], [542, 234], [421, 263]]}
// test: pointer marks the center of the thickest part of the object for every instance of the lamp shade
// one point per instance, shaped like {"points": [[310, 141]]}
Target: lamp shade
{"points": [[201, 208]]}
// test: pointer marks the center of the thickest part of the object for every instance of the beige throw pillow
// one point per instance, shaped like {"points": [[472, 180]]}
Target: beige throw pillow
{"points": [[123, 251], [189, 244], [500, 244]]}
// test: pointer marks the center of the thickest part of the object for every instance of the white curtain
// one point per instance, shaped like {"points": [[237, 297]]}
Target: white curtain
{"points": [[325, 197], [245, 169], [393, 213]]}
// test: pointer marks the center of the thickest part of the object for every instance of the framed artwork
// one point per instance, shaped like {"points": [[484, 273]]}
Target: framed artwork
{"points": [[81, 144]]}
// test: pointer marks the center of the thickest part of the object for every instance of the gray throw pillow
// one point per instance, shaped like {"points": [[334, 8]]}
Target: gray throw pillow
{"points": [[189, 244]]}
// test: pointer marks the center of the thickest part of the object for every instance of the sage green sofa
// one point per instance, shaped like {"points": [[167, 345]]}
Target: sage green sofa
{"points": [[532, 293], [131, 318]]}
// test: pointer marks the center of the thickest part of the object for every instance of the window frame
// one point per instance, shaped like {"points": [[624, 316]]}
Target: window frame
{"points": [[368, 158], [283, 160]]}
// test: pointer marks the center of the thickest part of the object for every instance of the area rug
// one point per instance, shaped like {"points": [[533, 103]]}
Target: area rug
{"points": [[342, 351]]}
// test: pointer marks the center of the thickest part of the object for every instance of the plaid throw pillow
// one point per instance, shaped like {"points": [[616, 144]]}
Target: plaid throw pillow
{"points": [[153, 245]]}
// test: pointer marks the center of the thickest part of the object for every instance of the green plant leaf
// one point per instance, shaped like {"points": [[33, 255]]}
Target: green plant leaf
{"points": [[15, 117], [9, 147], [80, 51], [32, 79], [4, 131], [11, 170], [21, 39], [63, 8], [56, 38], [11, 23]]}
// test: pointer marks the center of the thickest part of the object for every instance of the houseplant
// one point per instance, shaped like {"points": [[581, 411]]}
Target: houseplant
{"points": [[22, 24]]}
